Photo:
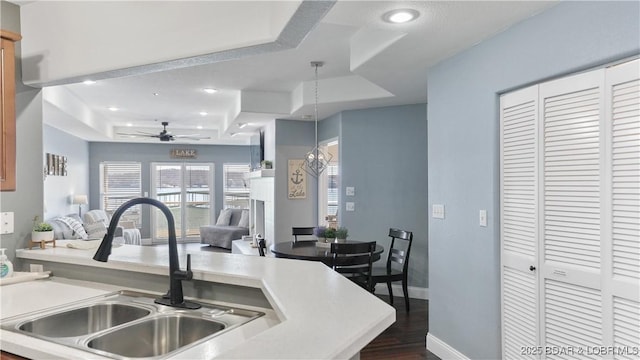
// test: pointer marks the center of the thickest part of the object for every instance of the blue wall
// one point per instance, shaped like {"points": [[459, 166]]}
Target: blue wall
{"points": [[27, 200], [383, 154], [59, 189], [148, 153], [293, 140], [463, 113]]}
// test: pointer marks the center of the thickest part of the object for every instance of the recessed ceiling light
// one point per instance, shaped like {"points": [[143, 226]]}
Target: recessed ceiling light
{"points": [[88, 82], [113, 108], [400, 16], [210, 90], [199, 127], [155, 94], [129, 124], [203, 113]]}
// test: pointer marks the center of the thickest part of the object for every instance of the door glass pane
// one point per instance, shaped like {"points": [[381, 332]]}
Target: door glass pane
{"points": [[168, 190], [329, 188], [198, 198]]}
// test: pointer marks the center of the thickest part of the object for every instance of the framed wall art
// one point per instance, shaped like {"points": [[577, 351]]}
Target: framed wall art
{"points": [[296, 179]]}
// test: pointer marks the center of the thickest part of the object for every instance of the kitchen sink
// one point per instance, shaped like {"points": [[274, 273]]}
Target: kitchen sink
{"points": [[128, 324], [156, 336], [85, 320]]}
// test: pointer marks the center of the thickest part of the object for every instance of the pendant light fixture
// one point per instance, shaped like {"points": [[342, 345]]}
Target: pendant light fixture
{"points": [[315, 161]]}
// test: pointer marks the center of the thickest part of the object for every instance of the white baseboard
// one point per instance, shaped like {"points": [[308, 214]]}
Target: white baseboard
{"points": [[414, 291], [443, 350]]}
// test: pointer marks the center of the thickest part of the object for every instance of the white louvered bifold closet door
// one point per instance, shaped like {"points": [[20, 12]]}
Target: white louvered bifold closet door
{"points": [[519, 124], [584, 243], [571, 113], [623, 112]]}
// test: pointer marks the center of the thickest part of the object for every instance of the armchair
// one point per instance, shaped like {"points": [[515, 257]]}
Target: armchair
{"points": [[129, 232]]}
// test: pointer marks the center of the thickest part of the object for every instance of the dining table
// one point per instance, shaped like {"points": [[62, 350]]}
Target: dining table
{"points": [[310, 250]]}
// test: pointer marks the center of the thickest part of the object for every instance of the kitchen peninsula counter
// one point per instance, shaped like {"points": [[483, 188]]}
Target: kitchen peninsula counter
{"points": [[312, 312]]}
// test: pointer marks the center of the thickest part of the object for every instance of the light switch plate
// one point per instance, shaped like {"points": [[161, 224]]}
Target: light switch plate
{"points": [[483, 218], [6, 223], [437, 211], [350, 206], [350, 191]]}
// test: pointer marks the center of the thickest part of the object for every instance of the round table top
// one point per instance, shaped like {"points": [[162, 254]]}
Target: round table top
{"points": [[308, 250]]}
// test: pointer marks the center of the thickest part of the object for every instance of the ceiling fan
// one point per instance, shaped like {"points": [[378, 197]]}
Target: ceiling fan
{"points": [[165, 135]]}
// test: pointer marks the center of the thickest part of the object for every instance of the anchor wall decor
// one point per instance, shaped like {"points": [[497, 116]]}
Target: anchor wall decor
{"points": [[297, 180]]}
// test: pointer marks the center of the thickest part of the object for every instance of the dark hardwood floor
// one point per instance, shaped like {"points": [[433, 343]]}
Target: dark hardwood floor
{"points": [[406, 338]]}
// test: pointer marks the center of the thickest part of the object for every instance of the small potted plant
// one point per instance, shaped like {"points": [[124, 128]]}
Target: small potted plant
{"points": [[266, 164], [330, 233], [341, 234], [42, 231], [319, 233]]}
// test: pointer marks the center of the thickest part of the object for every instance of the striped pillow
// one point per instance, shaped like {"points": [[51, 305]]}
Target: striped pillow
{"points": [[75, 225]]}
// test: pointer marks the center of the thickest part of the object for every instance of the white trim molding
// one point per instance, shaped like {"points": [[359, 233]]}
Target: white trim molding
{"points": [[443, 350], [414, 291]]}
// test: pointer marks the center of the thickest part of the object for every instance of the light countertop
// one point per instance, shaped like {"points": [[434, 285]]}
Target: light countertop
{"points": [[317, 313]]}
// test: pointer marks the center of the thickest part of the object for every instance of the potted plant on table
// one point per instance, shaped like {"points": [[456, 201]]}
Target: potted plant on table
{"points": [[341, 234], [330, 234], [42, 231], [320, 233]]}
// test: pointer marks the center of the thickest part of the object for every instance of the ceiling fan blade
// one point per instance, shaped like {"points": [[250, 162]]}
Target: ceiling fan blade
{"points": [[135, 135], [192, 137]]}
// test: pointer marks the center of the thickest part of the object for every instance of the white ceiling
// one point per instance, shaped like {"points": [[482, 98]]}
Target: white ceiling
{"points": [[368, 63]]}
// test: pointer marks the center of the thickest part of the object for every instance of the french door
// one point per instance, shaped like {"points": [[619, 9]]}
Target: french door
{"points": [[188, 190]]}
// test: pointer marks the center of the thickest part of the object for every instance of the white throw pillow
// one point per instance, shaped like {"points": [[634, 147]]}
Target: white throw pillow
{"points": [[224, 218], [244, 219], [96, 230]]}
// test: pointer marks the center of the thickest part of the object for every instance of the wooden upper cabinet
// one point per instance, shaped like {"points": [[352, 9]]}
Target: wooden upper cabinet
{"points": [[8, 110]]}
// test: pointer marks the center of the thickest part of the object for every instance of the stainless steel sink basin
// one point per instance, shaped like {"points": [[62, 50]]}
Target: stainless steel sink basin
{"points": [[85, 320], [155, 336], [127, 324]]}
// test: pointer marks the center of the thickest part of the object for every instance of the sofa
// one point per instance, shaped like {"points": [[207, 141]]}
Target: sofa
{"points": [[93, 226], [71, 227], [232, 224]]}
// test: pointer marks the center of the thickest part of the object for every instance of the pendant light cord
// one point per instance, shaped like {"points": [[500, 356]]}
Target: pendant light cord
{"points": [[316, 117]]}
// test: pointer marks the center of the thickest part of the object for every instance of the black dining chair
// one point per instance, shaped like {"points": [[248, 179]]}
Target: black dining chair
{"points": [[397, 265], [262, 247], [354, 261], [301, 231]]}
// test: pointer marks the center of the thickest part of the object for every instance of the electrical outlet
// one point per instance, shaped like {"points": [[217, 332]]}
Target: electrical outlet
{"points": [[350, 206], [350, 191], [36, 268]]}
